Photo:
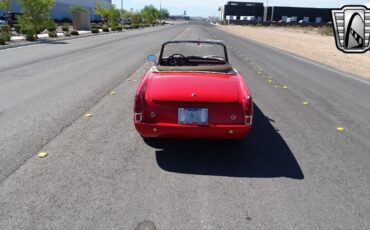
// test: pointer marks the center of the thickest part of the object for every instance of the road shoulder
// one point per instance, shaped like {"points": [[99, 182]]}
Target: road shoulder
{"points": [[309, 45], [74, 168]]}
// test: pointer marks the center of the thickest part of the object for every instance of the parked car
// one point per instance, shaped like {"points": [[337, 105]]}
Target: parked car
{"points": [[193, 92], [125, 21], [11, 18]]}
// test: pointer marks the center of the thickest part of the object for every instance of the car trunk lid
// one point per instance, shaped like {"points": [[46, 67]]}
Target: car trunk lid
{"points": [[193, 87]]}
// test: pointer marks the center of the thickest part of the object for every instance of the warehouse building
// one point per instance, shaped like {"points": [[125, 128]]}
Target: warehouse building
{"points": [[257, 12], [61, 8]]}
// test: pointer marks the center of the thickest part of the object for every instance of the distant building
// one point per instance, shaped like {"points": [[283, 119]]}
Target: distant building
{"points": [[61, 8], [256, 11]]}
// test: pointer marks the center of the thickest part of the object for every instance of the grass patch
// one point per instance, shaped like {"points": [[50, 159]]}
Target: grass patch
{"points": [[326, 31], [65, 28]]}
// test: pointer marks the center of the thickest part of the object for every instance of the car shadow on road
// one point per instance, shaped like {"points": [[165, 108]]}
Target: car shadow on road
{"points": [[263, 154]]}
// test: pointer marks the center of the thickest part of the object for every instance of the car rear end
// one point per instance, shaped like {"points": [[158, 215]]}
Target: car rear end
{"points": [[193, 107]]}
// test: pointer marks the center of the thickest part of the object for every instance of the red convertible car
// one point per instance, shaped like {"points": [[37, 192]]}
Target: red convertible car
{"points": [[193, 92]]}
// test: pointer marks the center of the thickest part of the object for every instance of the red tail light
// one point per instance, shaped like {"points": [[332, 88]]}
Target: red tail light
{"points": [[248, 110], [138, 108]]}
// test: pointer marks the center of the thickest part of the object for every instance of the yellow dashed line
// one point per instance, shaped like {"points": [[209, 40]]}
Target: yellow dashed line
{"points": [[341, 129], [88, 115], [42, 154]]}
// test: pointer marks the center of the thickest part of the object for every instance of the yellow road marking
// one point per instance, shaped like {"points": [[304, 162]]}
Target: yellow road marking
{"points": [[42, 154], [341, 129]]}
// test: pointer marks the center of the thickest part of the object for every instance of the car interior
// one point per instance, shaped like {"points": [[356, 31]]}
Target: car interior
{"points": [[205, 58]]}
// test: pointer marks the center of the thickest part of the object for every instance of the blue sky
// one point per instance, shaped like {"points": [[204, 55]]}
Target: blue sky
{"points": [[209, 7]]}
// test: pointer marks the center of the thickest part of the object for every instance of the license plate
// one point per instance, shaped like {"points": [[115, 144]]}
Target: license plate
{"points": [[193, 116]]}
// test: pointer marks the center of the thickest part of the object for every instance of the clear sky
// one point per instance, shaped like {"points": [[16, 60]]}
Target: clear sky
{"points": [[206, 8]]}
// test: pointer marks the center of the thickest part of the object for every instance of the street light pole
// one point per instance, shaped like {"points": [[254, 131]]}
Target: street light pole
{"points": [[267, 10], [160, 11], [122, 13]]}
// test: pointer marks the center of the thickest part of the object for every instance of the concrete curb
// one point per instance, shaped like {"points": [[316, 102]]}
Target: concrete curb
{"points": [[51, 41]]}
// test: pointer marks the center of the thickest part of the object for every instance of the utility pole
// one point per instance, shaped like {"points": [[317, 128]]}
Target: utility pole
{"points": [[267, 11], [160, 11], [122, 13], [272, 12]]}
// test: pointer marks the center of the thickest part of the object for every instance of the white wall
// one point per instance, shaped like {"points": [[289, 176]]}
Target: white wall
{"points": [[61, 7]]}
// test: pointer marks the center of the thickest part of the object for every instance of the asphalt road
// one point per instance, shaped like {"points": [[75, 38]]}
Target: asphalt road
{"points": [[296, 171]]}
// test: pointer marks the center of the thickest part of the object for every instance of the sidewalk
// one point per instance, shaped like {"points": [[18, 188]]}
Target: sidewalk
{"points": [[19, 41]]}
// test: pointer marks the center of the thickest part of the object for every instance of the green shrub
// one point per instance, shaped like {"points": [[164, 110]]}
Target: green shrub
{"points": [[113, 28], [96, 26], [17, 28], [127, 27], [24, 31], [105, 29], [95, 31], [30, 37], [67, 34], [6, 36], [53, 34], [2, 40], [119, 28], [4, 29], [52, 29], [75, 33], [65, 28], [5, 33]]}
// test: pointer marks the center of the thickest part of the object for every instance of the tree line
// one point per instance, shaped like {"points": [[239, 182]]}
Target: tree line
{"points": [[35, 14], [149, 14]]}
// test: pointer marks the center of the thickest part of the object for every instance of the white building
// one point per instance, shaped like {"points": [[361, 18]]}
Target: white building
{"points": [[61, 8]]}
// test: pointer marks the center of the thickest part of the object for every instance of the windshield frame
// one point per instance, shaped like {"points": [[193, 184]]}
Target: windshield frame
{"points": [[194, 41]]}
